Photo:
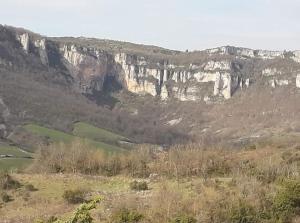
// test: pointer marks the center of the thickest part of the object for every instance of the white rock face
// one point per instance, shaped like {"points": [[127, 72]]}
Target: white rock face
{"points": [[41, 45], [274, 83], [141, 87], [245, 83], [138, 78], [164, 93], [205, 77], [271, 72], [244, 52], [223, 85], [207, 99], [89, 67], [178, 76], [282, 82], [189, 94], [228, 50], [174, 121], [265, 54], [296, 56], [24, 40], [72, 55], [298, 81], [141, 79], [217, 65]]}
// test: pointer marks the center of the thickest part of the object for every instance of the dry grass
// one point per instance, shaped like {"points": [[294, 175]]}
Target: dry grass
{"points": [[210, 185]]}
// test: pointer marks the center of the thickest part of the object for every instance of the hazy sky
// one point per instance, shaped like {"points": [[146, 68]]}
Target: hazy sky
{"points": [[175, 24]]}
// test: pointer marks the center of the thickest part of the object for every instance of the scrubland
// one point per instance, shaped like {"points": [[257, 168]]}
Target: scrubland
{"points": [[73, 183]]}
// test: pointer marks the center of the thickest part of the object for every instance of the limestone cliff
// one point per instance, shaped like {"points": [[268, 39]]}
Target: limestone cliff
{"points": [[185, 83], [210, 75], [89, 67]]}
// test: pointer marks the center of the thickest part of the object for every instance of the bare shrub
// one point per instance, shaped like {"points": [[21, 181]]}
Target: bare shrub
{"points": [[76, 157], [7, 182], [74, 196], [187, 161], [5, 197], [139, 186]]}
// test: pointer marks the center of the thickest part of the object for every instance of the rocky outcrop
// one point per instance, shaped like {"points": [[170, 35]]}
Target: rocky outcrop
{"points": [[271, 72], [244, 52], [275, 82], [184, 83], [139, 77], [296, 56], [217, 65], [89, 67], [24, 41], [298, 81], [212, 75], [223, 85], [41, 45]]}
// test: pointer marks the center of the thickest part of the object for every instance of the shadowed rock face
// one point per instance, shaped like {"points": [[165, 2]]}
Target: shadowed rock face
{"points": [[211, 75]]}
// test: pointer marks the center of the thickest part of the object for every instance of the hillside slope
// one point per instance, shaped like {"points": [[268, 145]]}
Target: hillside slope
{"points": [[147, 93]]}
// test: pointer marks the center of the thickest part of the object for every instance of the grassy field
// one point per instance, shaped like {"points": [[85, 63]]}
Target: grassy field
{"points": [[19, 160], [193, 185], [85, 130], [54, 135], [30, 206], [96, 137], [12, 150], [59, 136], [14, 164]]}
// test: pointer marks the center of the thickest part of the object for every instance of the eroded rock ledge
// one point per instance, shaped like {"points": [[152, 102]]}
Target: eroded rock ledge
{"points": [[210, 75]]}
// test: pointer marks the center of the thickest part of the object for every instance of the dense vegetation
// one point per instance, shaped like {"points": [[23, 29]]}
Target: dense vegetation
{"points": [[184, 184]]}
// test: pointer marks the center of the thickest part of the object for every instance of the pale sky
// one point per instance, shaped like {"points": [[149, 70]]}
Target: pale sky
{"points": [[173, 24]]}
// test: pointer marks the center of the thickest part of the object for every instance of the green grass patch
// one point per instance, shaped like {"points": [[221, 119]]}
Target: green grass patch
{"points": [[54, 135], [85, 130], [12, 150], [59, 136], [15, 163]]}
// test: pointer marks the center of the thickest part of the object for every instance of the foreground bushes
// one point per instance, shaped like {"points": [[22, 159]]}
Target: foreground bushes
{"points": [[81, 214], [74, 196], [5, 197], [7, 182], [220, 186], [139, 186], [287, 201], [78, 157], [183, 219], [178, 162], [125, 215], [278, 209]]}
